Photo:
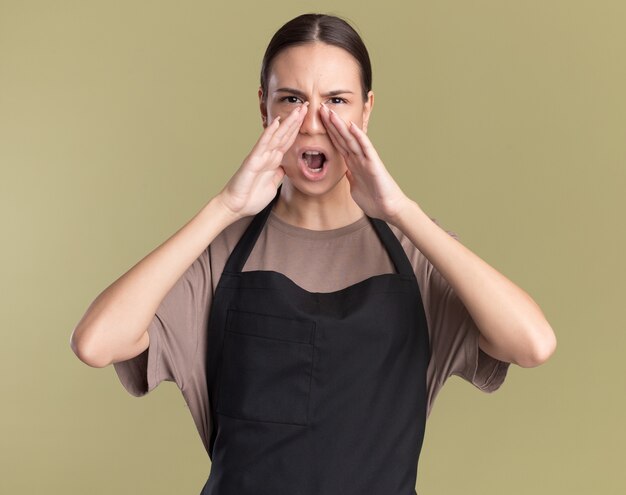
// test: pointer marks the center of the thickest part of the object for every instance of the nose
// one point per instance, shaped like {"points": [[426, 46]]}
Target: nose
{"points": [[312, 123]]}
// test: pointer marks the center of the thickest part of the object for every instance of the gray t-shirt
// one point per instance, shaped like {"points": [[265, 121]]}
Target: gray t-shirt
{"points": [[318, 261]]}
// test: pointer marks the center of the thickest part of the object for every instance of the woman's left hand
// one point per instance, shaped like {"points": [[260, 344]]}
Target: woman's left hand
{"points": [[371, 185]]}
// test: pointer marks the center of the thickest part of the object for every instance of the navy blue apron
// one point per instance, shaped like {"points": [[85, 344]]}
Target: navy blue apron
{"points": [[316, 393]]}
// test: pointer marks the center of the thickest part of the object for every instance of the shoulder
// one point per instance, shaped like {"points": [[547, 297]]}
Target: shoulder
{"points": [[413, 253], [434, 287], [227, 239]]}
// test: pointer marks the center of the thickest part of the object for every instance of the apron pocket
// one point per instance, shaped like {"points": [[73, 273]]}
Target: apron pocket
{"points": [[266, 369]]}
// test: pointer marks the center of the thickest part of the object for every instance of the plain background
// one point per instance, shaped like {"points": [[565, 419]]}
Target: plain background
{"points": [[505, 120]]}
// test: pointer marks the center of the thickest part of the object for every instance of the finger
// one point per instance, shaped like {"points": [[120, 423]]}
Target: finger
{"points": [[273, 146], [285, 130], [366, 145], [350, 142], [336, 138], [290, 137], [332, 130], [271, 135], [268, 132]]}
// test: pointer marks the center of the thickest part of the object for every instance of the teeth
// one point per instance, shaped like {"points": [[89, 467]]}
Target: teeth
{"points": [[306, 157]]}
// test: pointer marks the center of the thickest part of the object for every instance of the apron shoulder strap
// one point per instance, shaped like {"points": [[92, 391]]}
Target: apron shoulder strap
{"points": [[394, 248], [239, 256]]}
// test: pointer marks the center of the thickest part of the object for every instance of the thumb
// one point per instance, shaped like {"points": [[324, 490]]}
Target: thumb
{"points": [[278, 175], [349, 177]]}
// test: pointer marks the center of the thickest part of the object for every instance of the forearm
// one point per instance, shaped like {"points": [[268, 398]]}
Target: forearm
{"points": [[511, 323], [114, 327]]}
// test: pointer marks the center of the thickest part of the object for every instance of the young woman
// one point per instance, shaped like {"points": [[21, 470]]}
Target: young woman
{"points": [[310, 312]]}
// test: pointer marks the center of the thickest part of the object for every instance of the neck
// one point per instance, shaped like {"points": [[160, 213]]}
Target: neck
{"points": [[331, 210]]}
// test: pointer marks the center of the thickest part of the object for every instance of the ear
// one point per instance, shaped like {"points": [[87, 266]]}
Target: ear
{"points": [[367, 109], [262, 107]]}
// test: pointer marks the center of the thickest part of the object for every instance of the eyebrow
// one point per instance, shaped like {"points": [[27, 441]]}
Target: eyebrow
{"points": [[300, 93]]}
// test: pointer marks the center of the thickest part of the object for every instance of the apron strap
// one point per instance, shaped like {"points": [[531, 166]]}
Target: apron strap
{"points": [[394, 248], [239, 256]]}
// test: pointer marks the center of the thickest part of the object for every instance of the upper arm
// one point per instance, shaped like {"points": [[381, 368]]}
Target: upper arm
{"points": [[134, 349], [167, 350], [487, 348]]}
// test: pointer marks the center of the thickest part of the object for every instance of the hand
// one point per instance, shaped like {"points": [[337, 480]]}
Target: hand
{"points": [[256, 181], [371, 185]]}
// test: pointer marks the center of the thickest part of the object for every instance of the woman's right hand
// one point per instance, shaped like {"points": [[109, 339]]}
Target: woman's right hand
{"points": [[115, 326], [256, 181]]}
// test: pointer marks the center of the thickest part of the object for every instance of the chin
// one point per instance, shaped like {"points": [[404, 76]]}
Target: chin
{"points": [[309, 188]]}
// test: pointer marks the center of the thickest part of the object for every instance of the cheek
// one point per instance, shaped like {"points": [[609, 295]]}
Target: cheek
{"points": [[351, 115], [280, 110], [290, 159]]}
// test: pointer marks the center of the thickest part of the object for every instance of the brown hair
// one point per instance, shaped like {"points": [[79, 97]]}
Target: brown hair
{"points": [[330, 29]]}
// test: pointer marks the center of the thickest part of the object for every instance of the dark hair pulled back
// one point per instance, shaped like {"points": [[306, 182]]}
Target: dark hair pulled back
{"points": [[330, 29]]}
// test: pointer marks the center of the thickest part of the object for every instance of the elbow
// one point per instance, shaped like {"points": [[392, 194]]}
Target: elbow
{"points": [[85, 350], [542, 349]]}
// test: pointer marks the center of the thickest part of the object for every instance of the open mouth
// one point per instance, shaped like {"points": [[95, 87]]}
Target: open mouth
{"points": [[314, 160]]}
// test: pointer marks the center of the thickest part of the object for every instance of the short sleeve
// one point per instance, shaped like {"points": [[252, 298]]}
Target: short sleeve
{"points": [[454, 337], [174, 333]]}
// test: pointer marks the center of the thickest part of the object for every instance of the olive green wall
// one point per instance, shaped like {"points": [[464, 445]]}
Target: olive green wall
{"points": [[505, 120]]}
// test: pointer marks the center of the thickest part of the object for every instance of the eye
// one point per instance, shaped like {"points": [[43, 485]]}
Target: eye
{"points": [[285, 98], [342, 100]]}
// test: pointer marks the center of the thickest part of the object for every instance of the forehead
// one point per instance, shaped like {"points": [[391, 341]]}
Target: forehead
{"points": [[314, 64]]}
